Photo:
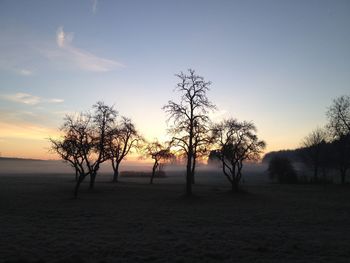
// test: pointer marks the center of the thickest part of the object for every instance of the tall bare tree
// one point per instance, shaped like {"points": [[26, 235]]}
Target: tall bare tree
{"points": [[339, 127], [339, 116], [314, 150], [121, 140], [188, 116], [236, 142], [84, 142], [159, 153]]}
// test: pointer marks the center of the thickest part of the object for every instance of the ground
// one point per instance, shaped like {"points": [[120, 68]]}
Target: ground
{"points": [[133, 221]]}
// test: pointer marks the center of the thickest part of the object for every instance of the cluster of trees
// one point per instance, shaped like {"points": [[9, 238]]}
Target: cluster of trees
{"points": [[92, 138], [324, 149], [329, 148], [195, 135]]}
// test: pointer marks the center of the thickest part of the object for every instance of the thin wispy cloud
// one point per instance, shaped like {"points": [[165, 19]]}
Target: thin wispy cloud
{"points": [[25, 72], [63, 39], [29, 99], [55, 100], [79, 58], [23, 98]]}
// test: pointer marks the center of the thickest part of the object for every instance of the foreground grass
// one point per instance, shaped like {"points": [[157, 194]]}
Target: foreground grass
{"points": [[138, 222]]}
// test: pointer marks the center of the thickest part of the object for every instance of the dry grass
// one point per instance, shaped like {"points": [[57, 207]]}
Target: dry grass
{"points": [[137, 222]]}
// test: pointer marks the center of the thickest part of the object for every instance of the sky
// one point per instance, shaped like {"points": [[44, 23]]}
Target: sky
{"points": [[276, 63]]}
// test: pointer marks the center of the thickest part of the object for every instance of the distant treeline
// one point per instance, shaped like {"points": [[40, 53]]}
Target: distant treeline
{"points": [[292, 155], [324, 149], [327, 155]]}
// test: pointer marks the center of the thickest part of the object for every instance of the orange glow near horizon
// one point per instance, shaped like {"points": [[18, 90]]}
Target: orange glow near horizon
{"points": [[27, 140], [32, 142]]}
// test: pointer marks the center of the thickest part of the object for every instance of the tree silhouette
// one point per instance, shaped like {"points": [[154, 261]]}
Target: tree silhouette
{"points": [[83, 144], [281, 168], [189, 117], [75, 144], [201, 144], [339, 116], [339, 127], [313, 154], [236, 142], [121, 140], [158, 152]]}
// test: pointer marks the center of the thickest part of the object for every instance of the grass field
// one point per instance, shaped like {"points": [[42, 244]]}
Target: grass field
{"points": [[137, 222]]}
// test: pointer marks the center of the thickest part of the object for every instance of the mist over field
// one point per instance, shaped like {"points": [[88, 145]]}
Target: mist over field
{"points": [[28, 166], [252, 172]]}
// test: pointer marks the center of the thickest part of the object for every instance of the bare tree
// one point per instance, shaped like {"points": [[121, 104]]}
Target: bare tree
{"points": [[188, 116], [313, 152], [339, 127], [201, 144], [339, 117], [75, 143], [236, 142], [83, 144], [158, 152], [121, 140]]}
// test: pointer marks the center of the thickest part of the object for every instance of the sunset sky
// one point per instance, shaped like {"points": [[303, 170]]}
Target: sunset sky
{"points": [[276, 63]]}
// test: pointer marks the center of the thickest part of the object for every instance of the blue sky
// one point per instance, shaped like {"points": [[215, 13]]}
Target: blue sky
{"points": [[276, 63]]}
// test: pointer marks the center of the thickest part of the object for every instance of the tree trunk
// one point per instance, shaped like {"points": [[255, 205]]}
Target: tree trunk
{"points": [[234, 186], [190, 154], [152, 176], [235, 178], [154, 168], [116, 173], [76, 175], [153, 173], [193, 171], [80, 179], [189, 176], [92, 181]]}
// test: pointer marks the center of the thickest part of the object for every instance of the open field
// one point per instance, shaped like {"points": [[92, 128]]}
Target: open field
{"points": [[137, 222]]}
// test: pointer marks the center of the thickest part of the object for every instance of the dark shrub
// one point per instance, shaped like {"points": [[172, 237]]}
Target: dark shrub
{"points": [[282, 169]]}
